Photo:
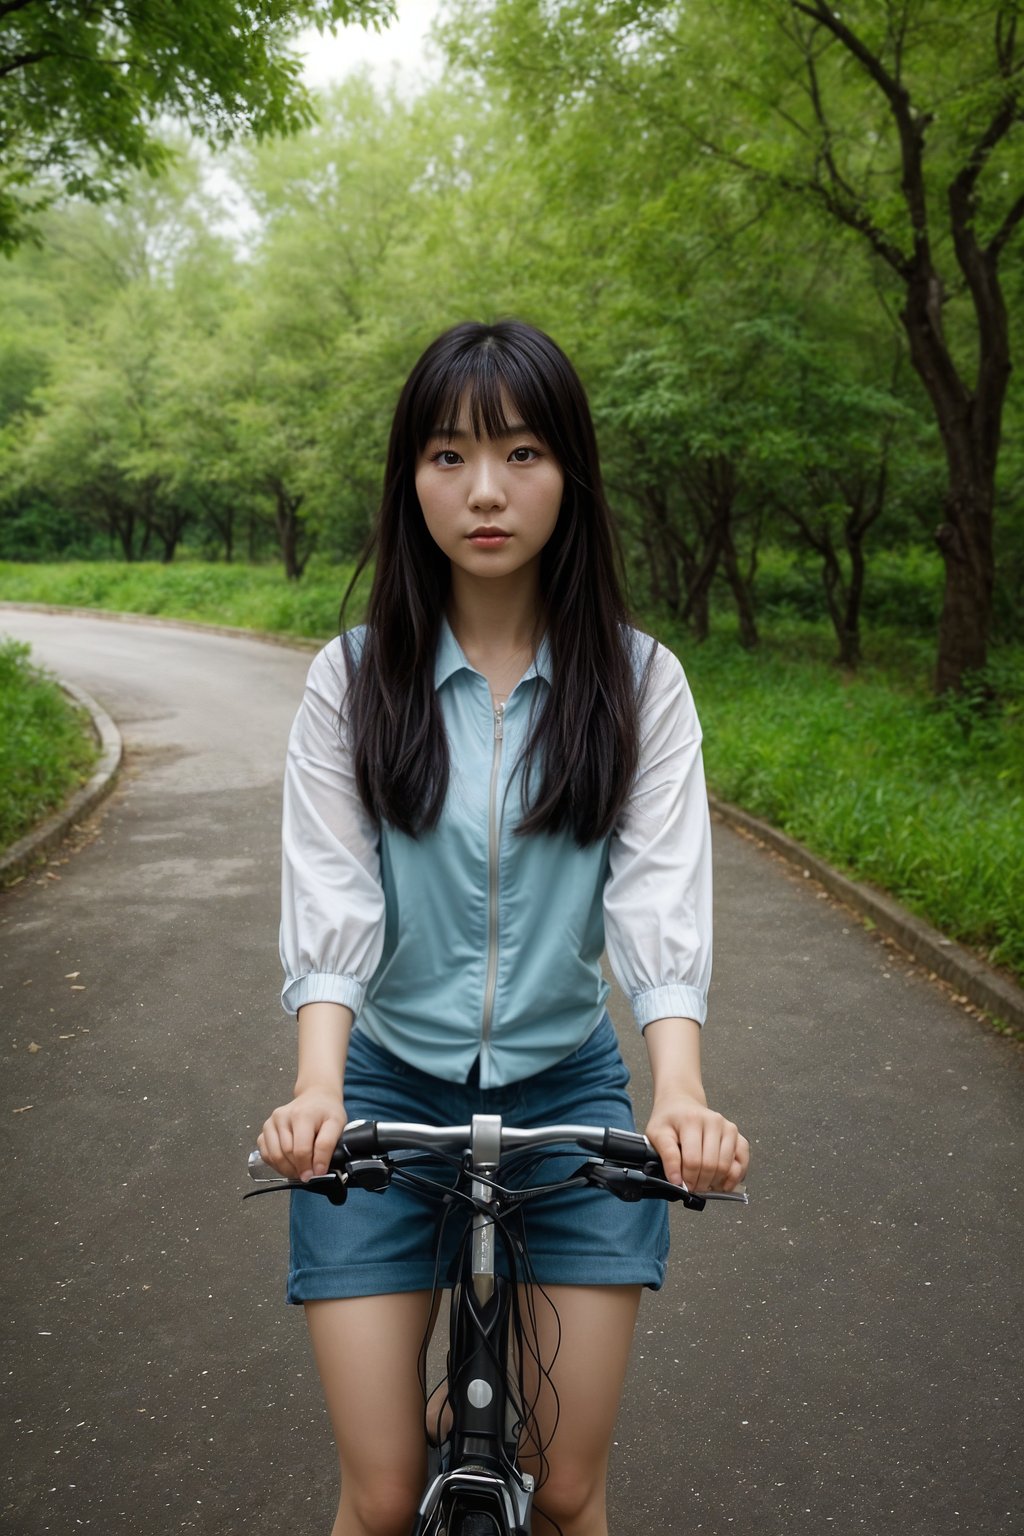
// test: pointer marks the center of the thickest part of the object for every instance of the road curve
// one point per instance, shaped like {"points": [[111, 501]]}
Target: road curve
{"points": [[843, 1356]]}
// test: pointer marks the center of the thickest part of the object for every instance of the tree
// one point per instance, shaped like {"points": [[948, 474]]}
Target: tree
{"points": [[84, 82], [945, 136], [896, 121]]}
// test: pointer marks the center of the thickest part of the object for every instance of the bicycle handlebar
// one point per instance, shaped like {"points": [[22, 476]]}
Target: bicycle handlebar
{"points": [[374, 1138]]}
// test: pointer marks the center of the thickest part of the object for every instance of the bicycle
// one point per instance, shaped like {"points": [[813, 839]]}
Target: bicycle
{"points": [[475, 1486]]}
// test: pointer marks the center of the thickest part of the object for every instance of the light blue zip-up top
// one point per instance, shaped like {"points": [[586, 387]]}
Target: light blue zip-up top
{"points": [[470, 941]]}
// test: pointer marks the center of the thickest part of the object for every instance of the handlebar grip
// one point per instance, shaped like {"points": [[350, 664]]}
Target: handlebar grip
{"points": [[261, 1172], [626, 1147], [358, 1139]]}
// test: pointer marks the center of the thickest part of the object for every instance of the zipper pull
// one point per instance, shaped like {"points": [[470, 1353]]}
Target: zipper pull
{"points": [[499, 722]]}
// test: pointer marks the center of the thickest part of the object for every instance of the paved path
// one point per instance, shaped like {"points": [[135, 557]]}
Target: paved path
{"points": [[843, 1356]]}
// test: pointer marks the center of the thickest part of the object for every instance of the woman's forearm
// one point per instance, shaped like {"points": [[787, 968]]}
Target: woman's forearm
{"points": [[673, 1047], [324, 1030]]}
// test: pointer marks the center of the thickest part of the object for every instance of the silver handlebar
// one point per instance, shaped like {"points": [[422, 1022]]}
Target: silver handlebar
{"points": [[407, 1136]]}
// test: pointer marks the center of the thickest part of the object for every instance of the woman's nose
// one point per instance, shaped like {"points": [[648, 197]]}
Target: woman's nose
{"points": [[487, 487]]}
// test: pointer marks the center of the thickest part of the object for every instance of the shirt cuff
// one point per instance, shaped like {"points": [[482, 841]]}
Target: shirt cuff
{"points": [[672, 1001], [322, 987]]}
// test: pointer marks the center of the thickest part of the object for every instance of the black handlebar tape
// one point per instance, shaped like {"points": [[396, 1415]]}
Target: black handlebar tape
{"points": [[357, 1140]]}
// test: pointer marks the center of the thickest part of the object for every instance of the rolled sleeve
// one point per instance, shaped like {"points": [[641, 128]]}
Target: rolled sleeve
{"points": [[657, 899], [332, 903]]}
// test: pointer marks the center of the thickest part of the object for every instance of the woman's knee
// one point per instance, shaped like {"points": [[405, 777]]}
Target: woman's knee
{"points": [[386, 1506], [572, 1496]]}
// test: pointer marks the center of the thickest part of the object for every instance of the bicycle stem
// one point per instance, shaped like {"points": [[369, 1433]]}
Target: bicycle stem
{"points": [[485, 1152]]}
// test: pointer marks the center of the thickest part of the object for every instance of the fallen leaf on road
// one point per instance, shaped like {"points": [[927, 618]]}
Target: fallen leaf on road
{"points": [[33, 1047], [78, 989], [65, 1037], [26, 983], [23, 1110], [71, 975]]}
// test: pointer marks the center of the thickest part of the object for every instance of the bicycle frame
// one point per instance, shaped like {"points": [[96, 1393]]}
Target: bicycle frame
{"points": [[477, 1471], [475, 1486]]}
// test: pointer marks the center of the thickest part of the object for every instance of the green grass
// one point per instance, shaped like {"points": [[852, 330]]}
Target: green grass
{"points": [[47, 747], [250, 597], [925, 802]]}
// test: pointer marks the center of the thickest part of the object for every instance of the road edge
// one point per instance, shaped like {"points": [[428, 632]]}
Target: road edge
{"points": [[233, 631], [49, 833], [977, 982]]}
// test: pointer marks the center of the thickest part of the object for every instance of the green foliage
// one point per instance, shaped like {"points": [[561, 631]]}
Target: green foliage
{"points": [[244, 596], [923, 800], [47, 748], [84, 85], [903, 591]]}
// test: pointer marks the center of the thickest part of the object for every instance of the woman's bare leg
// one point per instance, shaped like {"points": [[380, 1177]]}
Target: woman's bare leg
{"points": [[597, 1325], [366, 1352]]}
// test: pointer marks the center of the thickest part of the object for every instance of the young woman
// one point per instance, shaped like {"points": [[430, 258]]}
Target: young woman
{"points": [[487, 783]]}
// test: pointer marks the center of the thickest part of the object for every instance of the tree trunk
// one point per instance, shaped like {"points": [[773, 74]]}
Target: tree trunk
{"points": [[849, 634], [289, 529], [966, 535], [742, 594], [966, 542], [698, 574]]}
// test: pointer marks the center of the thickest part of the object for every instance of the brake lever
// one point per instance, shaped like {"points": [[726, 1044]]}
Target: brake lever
{"points": [[334, 1186], [372, 1173], [632, 1184]]}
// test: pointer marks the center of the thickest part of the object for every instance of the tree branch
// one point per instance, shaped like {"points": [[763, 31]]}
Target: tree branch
{"points": [[1005, 230], [910, 127], [23, 60], [838, 180], [1009, 112]]}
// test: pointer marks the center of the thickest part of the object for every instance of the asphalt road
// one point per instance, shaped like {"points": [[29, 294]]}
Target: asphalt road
{"points": [[843, 1356]]}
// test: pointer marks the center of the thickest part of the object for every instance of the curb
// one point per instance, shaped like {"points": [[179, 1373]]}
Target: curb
{"points": [[981, 984], [977, 982], [28, 850]]}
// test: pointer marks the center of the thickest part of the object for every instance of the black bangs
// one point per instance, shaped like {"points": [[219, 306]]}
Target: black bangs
{"points": [[501, 383]]}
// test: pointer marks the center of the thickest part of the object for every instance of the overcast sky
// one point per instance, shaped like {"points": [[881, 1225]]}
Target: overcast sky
{"points": [[400, 46]]}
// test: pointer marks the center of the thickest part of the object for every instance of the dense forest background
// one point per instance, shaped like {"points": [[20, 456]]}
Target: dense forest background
{"points": [[783, 245], [782, 248]]}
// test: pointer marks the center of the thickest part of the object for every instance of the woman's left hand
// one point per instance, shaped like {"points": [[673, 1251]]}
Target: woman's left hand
{"points": [[697, 1146]]}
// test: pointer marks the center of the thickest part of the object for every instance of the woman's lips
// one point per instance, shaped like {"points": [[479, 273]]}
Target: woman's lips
{"points": [[489, 538]]}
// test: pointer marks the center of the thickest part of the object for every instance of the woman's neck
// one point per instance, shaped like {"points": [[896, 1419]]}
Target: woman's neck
{"points": [[498, 624], [492, 619]]}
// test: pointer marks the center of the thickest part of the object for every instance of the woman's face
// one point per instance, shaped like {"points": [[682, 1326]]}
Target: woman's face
{"points": [[489, 503]]}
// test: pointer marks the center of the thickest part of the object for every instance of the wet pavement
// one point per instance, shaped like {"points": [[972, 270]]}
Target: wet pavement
{"points": [[842, 1356]]}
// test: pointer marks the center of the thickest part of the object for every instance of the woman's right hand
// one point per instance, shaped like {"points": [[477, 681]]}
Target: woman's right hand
{"points": [[298, 1138]]}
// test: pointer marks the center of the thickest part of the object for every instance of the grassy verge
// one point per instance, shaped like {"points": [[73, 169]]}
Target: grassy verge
{"points": [[251, 597], [927, 803], [46, 748]]}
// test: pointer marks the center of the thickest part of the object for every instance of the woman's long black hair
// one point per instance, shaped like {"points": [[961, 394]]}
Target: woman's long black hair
{"points": [[585, 738]]}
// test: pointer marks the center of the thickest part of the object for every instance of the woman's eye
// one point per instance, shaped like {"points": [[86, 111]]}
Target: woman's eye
{"points": [[523, 455], [447, 457]]}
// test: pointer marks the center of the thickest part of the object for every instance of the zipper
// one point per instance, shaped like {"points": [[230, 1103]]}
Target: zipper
{"points": [[491, 982]]}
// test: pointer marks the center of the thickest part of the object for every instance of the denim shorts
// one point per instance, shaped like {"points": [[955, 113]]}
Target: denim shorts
{"points": [[377, 1244]]}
